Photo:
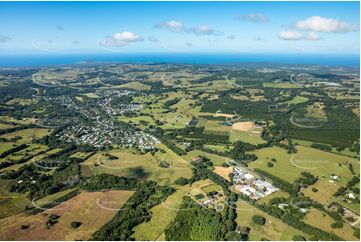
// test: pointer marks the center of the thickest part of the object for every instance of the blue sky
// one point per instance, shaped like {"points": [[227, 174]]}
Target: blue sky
{"points": [[179, 27]]}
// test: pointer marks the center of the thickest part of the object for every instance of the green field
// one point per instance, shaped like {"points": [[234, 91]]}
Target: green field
{"points": [[210, 188], [141, 166], [26, 134], [289, 166], [280, 85], [215, 159], [297, 100]]}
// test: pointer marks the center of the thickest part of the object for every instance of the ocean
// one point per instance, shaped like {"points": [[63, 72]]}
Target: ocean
{"points": [[69, 59]]}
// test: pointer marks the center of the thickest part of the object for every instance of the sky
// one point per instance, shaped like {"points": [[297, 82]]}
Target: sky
{"points": [[179, 27]]}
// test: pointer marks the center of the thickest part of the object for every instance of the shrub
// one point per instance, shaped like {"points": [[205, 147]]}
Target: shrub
{"points": [[24, 226], [224, 164], [314, 189], [337, 224], [75, 224], [181, 181]]}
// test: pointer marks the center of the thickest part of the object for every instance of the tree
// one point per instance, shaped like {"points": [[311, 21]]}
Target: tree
{"points": [[259, 219], [337, 224]]}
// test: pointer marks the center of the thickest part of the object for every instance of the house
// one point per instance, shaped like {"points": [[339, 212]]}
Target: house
{"points": [[351, 195]]}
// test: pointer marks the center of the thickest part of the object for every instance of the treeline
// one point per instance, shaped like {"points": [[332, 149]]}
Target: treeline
{"points": [[159, 133], [321, 147], [55, 202], [13, 150], [22, 160], [135, 211]]}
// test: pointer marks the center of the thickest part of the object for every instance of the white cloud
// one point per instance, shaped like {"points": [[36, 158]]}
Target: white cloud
{"points": [[121, 39], [172, 25], [204, 30], [290, 35], [231, 36], [253, 17], [327, 25], [312, 36], [294, 35], [4, 39]]}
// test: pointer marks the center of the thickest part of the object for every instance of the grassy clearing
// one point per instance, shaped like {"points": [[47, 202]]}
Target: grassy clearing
{"points": [[215, 159], [273, 229], [138, 120], [4, 146], [135, 86], [20, 101], [82, 208], [91, 95], [278, 193], [315, 216], [280, 85], [251, 137], [216, 127], [297, 100], [15, 121], [210, 188], [217, 147], [27, 134], [6, 126], [80, 155], [324, 193]]}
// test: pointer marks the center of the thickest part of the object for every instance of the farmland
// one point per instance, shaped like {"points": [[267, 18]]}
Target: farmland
{"points": [[80, 208], [179, 152]]}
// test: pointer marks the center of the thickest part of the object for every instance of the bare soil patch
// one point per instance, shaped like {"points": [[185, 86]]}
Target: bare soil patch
{"points": [[243, 126]]}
